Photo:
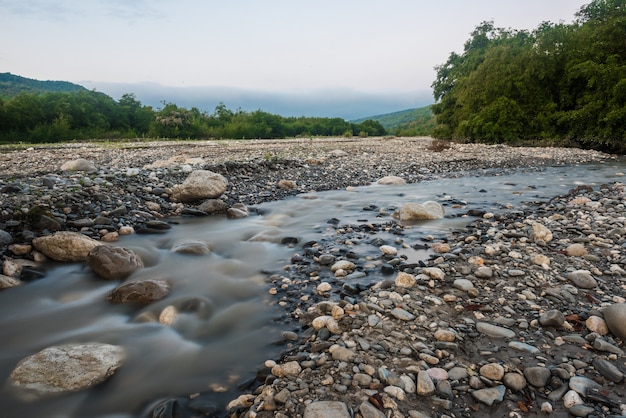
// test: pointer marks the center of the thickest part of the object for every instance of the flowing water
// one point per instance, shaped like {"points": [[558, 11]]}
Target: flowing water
{"points": [[235, 328]]}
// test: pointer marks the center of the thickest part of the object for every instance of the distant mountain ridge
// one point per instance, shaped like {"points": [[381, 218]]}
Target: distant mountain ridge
{"points": [[418, 121], [11, 85]]}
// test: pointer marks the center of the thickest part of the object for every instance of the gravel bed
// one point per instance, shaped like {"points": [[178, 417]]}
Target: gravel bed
{"points": [[512, 316]]}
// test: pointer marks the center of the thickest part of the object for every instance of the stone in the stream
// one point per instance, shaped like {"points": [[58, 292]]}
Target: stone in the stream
{"points": [[200, 185], [79, 164], [582, 279], [5, 238], [65, 246], [65, 368], [327, 409], [113, 263], [237, 211], [615, 317], [213, 206], [419, 211], [8, 282], [494, 330], [391, 181], [489, 396], [191, 247], [143, 291]]}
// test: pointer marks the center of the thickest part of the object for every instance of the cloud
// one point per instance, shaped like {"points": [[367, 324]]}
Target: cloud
{"points": [[343, 103]]}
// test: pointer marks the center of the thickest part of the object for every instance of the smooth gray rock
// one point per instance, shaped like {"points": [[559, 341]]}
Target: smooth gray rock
{"points": [[608, 370], [327, 409], [615, 317], [142, 292], [66, 368], [583, 279], [581, 384], [494, 330], [402, 314], [514, 381], [200, 185], [489, 396], [537, 376]]}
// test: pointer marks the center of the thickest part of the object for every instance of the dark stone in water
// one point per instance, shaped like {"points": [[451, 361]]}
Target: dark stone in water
{"points": [[333, 221], [476, 212], [158, 225], [289, 241], [142, 229], [205, 407], [194, 212], [387, 268], [170, 408], [377, 242], [29, 274]]}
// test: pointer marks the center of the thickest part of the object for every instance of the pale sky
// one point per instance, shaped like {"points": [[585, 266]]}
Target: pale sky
{"points": [[277, 47]]}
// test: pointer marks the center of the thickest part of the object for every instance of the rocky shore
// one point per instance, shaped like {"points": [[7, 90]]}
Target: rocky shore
{"points": [[519, 314]]}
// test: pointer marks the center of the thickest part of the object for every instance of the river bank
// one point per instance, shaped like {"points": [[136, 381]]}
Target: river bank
{"points": [[495, 323]]}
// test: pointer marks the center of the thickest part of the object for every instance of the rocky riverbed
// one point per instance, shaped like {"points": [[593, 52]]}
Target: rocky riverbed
{"points": [[518, 314]]}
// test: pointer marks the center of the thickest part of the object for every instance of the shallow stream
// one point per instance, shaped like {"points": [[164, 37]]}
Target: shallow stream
{"points": [[234, 329]]}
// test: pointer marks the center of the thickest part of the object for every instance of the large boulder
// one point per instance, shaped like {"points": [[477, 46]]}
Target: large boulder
{"points": [[419, 211], [113, 263], [65, 246], [200, 185], [65, 368]]}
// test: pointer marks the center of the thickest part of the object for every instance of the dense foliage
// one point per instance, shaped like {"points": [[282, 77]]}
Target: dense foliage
{"points": [[52, 117], [560, 82]]}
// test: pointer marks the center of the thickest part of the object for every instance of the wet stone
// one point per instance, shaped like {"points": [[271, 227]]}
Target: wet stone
{"points": [[489, 396], [494, 330]]}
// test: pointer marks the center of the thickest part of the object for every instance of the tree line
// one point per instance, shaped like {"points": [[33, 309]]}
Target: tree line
{"points": [[65, 116], [560, 84]]}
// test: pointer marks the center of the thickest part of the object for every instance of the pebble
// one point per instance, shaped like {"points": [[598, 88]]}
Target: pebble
{"points": [[494, 330], [489, 396]]}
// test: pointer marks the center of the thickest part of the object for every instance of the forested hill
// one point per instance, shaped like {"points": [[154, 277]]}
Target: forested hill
{"points": [[12, 85], [410, 122]]}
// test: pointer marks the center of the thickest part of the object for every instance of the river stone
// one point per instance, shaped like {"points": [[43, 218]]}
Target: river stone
{"points": [[492, 371], [434, 273], [343, 265], [142, 291], [615, 317], [402, 314], [494, 330], [326, 409], [596, 324], [199, 185], [113, 263], [405, 280], [213, 206], [572, 398], [540, 233], [582, 279], [5, 238], [65, 246], [576, 250], [291, 368], [237, 211], [7, 282], [541, 260], [514, 381], [463, 284], [537, 376], [65, 368], [79, 164], [489, 396], [425, 385], [552, 318], [391, 181], [445, 335], [608, 370], [419, 211], [484, 272], [191, 247], [581, 384], [368, 410], [287, 184]]}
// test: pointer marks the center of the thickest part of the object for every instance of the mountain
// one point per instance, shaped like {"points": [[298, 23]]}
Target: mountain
{"points": [[418, 121], [12, 85]]}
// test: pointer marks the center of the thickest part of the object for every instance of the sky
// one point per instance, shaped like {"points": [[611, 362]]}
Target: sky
{"points": [[332, 58]]}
